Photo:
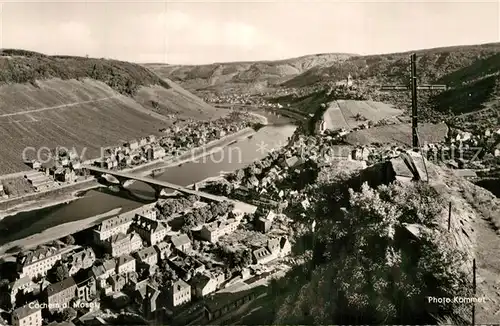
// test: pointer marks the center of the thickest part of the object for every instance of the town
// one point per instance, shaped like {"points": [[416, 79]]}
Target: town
{"points": [[63, 167], [145, 263]]}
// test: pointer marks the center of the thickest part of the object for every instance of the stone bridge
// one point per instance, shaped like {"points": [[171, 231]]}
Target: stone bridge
{"points": [[124, 179]]}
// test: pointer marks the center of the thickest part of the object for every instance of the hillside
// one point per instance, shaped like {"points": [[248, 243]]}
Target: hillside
{"points": [[50, 101], [367, 268], [242, 76], [471, 71], [434, 65]]}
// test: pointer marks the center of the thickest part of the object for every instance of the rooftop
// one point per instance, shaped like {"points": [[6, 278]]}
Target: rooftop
{"points": [[122, 260], [147, 252], [114, 222], [179, 285], [39, 254], [179, 240], [60, 286], [25, 311]]}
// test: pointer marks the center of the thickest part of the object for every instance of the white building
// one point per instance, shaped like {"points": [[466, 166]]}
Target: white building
{"points": [[179, 293], [28, 315], [38, 262], [125, 264], [150, 230], [112, 226]]}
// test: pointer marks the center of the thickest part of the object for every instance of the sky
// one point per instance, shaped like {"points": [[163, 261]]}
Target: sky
{"points": [[198, 32]]}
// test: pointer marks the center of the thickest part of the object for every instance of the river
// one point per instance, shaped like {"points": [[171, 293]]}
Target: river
{"points": [[99, 201]]}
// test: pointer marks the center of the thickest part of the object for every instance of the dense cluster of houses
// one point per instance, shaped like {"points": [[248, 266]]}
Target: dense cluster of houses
{"points": [[134, 152], [63, 167], [242, 99], [176, 140], [124, 255]]}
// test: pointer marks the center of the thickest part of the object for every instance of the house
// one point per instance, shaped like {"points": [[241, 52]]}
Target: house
{"points": [[274, 246], [132, 145], [186, 266], [496, 152], [112, 226], [150, 230], [151, 138], [123, 244], [181, 242], [285, 247], [262, 256], [213, 231], [252, 181], [263, 224], [64, 175], [35, 165], [21, 286], [224, 303], [60, 294], [103, 271], [147, 256], [178, 293], [82, 258], [163, 250], [38, 262], [143, 141], [86, 287], [125, 264], [28, 315], [158, 152], [118, 282], [203, 285], [305, 204], [291, 162], [245, 273], [360, 154]]}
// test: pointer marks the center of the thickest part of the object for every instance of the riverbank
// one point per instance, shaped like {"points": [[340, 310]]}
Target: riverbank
{"points": [[54, 233], [46, 199], [193, 154]]}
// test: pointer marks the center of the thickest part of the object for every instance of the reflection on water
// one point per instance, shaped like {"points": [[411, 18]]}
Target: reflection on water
{"points": [[104, 199]]}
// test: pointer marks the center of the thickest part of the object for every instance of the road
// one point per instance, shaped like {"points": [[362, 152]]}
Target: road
{"points": [[56, 107]]}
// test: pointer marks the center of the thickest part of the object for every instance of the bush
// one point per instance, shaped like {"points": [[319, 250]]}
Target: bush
{"points": [[376, 276]]}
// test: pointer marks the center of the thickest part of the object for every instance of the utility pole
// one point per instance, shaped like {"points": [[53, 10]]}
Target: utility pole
{"points": [[414, 112], [413, 87]]}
